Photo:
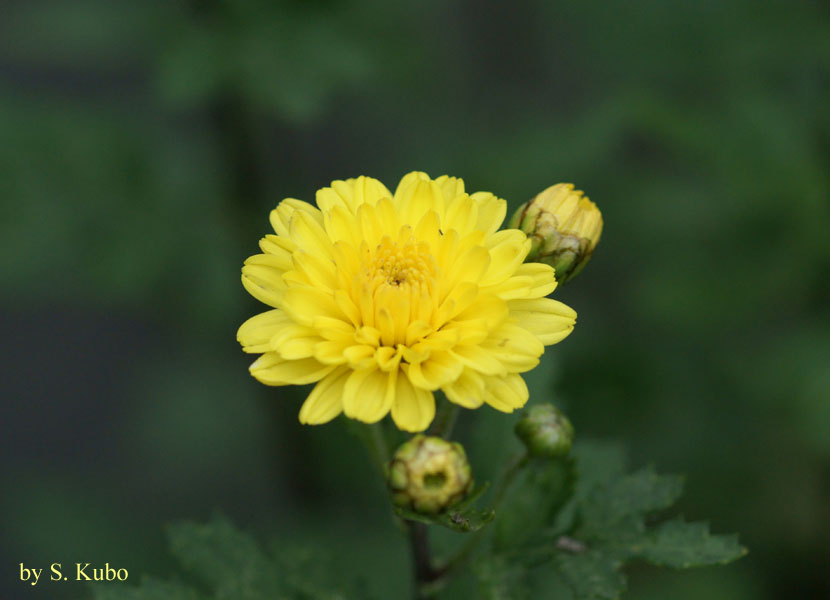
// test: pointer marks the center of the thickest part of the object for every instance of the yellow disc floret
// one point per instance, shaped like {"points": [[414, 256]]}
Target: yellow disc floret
{"points": [[384, 298]]}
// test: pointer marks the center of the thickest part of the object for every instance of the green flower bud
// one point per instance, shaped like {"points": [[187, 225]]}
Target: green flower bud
{"points": [[564, 227], [429, 474], [545, 431]]}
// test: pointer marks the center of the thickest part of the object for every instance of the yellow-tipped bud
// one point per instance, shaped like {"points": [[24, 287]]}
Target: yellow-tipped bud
{"points": [[564, 227], [429, 474]]}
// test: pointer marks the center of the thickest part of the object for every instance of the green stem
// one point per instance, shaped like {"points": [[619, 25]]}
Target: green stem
{"points": [[375, 441], [422, 566], [444, 421], [509, 473]]}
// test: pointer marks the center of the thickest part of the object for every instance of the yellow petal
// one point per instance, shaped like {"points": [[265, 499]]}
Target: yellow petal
{"points": [[282, 216], [437, 341], [479, 359], [333, 329], [370, 225], [440, 369], [416, 195], [416, 331], [470, 266], [368, 190], [429, 230], [548, 319], [310, 236], [467, 390], [272, 369], [263, 282], [340, 225], [462, 215], [508, 249], [413, 408], [304, 304], [542, 276], [451, 187], [491, 211], [368, 395], [294, 341], [280, 247], [511, 288], [330, 352], [255, 334], [388, 358], [389, 218], [350, 194], [487, 307], [317, 271], [325, 401], [515, 347], [360, 356], [531, 280], [505, 394], [469, 332], [347, 307]]}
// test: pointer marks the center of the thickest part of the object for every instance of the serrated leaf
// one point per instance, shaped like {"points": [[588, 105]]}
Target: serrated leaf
{"points": [[616, 508], [233, 566], [535, 500], [591, 575], [499, 579], [149, 589], [597, 462], [683, 545], [226, 559]]}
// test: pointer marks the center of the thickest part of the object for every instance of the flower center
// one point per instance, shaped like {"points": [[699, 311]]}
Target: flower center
{"points": [[400, 264], [398, 283]]}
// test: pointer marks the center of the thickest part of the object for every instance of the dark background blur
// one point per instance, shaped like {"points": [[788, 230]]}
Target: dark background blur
{"points": [[142, 145]]}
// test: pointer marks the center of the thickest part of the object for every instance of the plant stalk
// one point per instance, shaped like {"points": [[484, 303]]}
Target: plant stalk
{"points": [[425, 572]]}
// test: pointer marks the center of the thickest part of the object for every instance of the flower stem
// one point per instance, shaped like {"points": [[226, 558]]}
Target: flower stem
{"points": [[509, 473], [444, 421], [375, 440], [423, 569]]}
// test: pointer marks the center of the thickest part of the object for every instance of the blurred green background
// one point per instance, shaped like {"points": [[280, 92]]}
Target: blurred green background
{"points": [[142, 145]]}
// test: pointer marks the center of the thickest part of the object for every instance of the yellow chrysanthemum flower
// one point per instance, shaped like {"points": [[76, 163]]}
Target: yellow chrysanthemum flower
{"points": [[383, 299]]}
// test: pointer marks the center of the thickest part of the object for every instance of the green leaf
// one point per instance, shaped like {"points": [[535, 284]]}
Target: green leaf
{"points": [[682, 545], [231, 565], [601, 525], [592, 575], [618, 507], [535, 500], [227, 560], [462, 522], [149, 589], [458, 517], [499, 579]]}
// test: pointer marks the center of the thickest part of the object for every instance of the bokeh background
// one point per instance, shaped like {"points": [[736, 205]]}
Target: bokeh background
{"points": [[142, 145]]}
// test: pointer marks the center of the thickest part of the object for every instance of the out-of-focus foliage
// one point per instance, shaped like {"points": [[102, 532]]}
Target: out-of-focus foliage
{"points": [[577, 521], [580, 521], [143, 144], [232, 565]]}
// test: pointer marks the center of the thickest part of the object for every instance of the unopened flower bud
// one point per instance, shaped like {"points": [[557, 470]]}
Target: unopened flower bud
{"points": [[545, 431], [429, 474], [564, 227]]}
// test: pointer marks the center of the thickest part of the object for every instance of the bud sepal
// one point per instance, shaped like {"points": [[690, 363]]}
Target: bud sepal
{"points": [[459, 517]]}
